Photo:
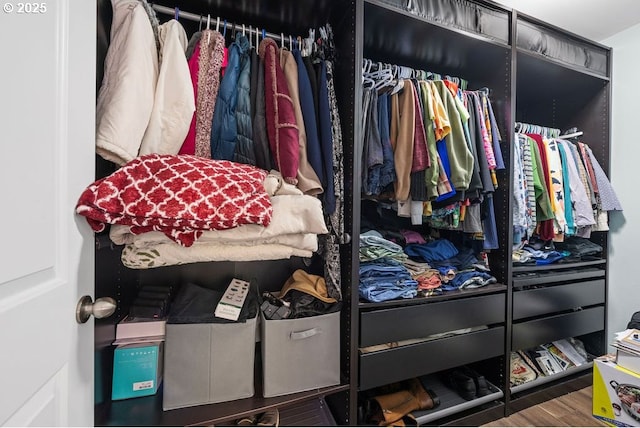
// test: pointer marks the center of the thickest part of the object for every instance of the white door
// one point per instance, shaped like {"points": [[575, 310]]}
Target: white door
{"points": [[47, 116]]}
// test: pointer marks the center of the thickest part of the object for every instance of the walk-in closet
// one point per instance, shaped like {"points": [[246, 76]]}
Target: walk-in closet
{"points": [[505, 76]]}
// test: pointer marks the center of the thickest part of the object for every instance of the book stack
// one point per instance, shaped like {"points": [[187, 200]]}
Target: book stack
{"points": [[139, 354], [627, 344], [147, 317], [546, 360]]}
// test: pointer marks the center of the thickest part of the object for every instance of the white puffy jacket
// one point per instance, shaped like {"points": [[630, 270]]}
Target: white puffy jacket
{"points": [[174, 102], [126, 97]]}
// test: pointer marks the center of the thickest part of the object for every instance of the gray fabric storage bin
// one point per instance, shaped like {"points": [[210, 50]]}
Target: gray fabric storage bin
{"points": [[300, 354], [208, 363]]}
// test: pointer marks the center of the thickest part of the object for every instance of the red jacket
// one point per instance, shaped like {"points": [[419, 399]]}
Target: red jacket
{"points": [[282, 128]]}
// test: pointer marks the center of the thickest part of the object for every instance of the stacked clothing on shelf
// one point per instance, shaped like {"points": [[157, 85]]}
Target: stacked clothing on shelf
{"points": [[390, 271], [431, 146], [170, 210]]}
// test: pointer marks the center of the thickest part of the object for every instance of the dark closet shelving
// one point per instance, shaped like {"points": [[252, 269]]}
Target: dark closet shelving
{"points": [[432, 44], [562, 81], [113, 279], [494, 49]]}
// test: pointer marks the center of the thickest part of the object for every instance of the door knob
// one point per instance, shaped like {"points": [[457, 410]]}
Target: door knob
{"points": [[101, 308]]}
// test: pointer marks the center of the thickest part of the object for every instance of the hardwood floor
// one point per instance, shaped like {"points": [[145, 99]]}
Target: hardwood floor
{"points": [[571, 410]]}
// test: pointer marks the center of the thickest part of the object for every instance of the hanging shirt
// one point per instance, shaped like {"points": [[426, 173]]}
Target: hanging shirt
{"points": [[581, 202], [556, 186], [568, 205], [402, 138], [460, 158], [608, 198]]}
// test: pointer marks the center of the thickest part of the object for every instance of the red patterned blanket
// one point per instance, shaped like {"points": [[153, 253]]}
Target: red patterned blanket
{"points": [[180, 196]]}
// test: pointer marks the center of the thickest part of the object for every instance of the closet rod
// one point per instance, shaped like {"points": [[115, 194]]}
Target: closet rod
{"points": [[373, 66], [537, 129], [199, 18], [572, 135]]}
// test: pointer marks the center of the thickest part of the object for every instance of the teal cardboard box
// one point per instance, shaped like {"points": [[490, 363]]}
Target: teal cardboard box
{"points": [[137, 370]]}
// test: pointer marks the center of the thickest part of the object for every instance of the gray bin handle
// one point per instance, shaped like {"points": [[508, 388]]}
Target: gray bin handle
{"points": [[297, 335]]}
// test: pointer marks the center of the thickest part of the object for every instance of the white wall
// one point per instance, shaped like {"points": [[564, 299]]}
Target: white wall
{"points": [[624, 284]]}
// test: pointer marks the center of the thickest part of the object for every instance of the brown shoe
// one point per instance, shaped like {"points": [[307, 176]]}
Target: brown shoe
{"points": [[426, 398], [270, 418]]}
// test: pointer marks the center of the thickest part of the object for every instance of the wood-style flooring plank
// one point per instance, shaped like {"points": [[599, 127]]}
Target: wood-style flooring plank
{"points": [[570, 410]]}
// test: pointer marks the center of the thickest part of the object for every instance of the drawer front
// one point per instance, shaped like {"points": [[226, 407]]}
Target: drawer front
{"points": [[540, 301], [414, 322], [558, 277], [384, 367], [533, 333]]}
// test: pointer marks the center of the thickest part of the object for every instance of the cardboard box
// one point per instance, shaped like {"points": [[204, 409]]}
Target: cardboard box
{"points": [[628, 360], [208, 363], [616, 394], [300, 354], [137, 370]]}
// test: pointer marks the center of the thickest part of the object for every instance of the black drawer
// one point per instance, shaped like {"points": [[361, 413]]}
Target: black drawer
{"points": [[551, 277], [413, 322], [544, 330], [557, 298], [391, 365]]}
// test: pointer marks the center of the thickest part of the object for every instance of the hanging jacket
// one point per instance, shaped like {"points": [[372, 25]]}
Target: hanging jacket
{"points": [[308, 181], [280, 117], [224, 127], [189, 144], [125, 99], [260, 139], [326, 139], [174, 102], [402, 136], [193, 42], [210, 62], [244, 152], [307, 105]]}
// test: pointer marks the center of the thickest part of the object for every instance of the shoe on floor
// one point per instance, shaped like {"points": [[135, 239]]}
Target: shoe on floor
{"points": [[481, 383], [462, 383], [247, 421], [270, 418]]}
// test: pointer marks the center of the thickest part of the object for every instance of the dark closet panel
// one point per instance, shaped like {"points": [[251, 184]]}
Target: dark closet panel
{"points": [[289, 16], [550, 94], [417, 43], [558, 45]]}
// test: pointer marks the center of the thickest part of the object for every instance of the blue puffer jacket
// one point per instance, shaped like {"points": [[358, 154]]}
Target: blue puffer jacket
{"points": [[245, 148], [224, 127]]}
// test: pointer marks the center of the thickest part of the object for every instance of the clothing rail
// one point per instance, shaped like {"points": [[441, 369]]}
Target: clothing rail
{"points": [[177, 13], [404, 72], [537, 129]]}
